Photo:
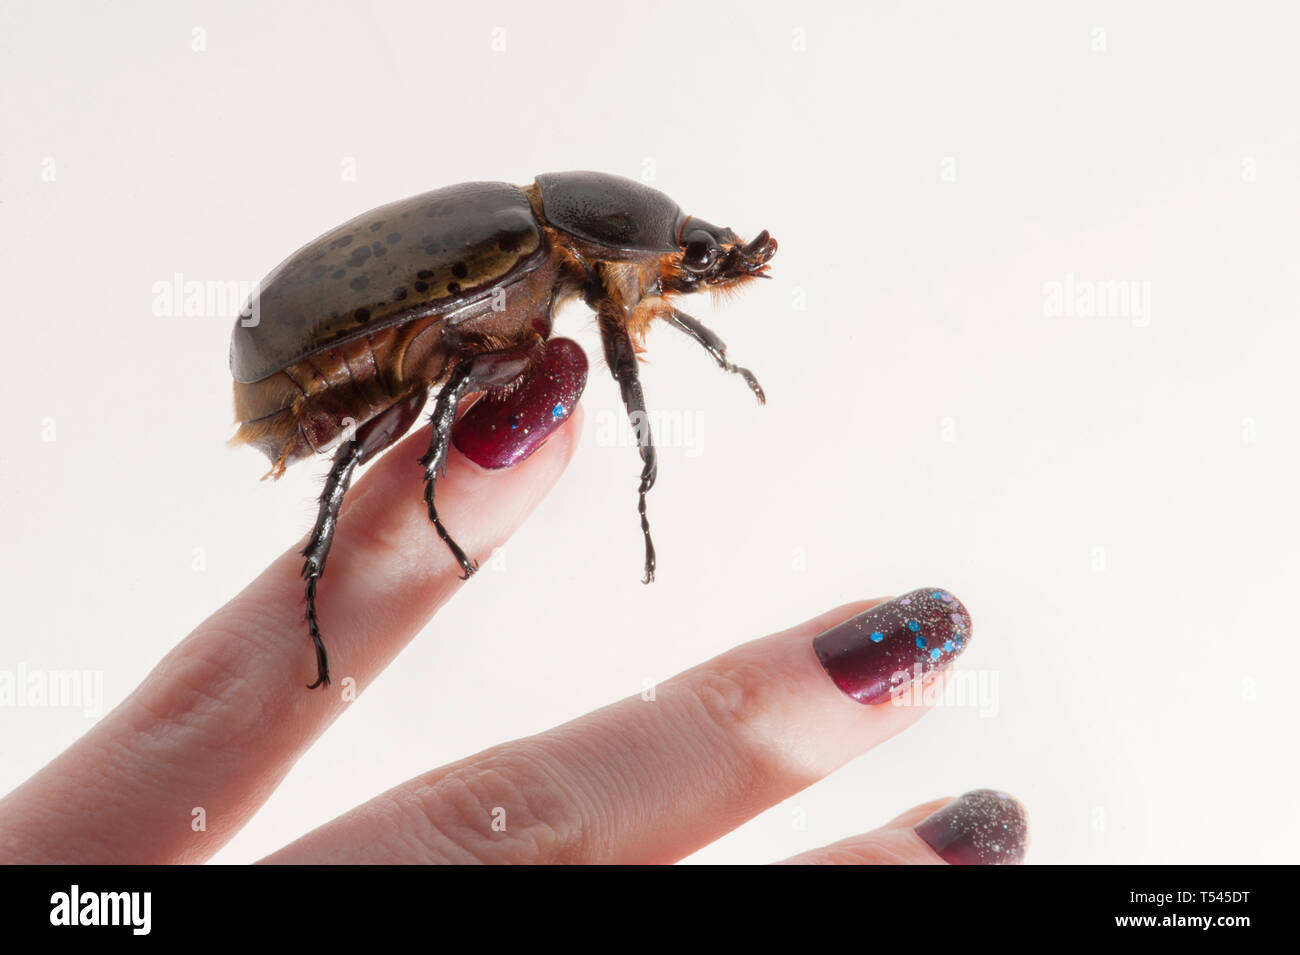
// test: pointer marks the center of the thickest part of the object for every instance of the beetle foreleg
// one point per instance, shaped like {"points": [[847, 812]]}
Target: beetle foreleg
{"points": [[716, 347], [620, 355], [318, 547]]}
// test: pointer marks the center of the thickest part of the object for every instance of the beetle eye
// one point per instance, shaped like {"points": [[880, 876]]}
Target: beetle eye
{"points": [[699, 255]]}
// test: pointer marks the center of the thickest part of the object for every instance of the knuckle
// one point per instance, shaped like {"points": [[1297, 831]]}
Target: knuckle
{"points": [[508, 807], [210, 687], [737, 700], [736, 708]]}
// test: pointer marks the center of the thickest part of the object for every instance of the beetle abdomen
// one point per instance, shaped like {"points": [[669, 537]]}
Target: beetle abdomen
{"points": [[435, 252], [301, 409]]}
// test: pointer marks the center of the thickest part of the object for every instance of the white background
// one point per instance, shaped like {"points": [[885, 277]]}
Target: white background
{"points": [[1112, 496]]}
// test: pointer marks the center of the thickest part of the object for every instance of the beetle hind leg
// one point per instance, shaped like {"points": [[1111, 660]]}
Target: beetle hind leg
{"points": [[337, 482], [716, 347], [371, 438]]}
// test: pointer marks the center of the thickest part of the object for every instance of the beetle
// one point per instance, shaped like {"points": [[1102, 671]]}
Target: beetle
{"points": [[456, 289]]}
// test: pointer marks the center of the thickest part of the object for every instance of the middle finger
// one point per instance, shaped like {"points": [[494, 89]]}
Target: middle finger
{"points": [[652, 780]]}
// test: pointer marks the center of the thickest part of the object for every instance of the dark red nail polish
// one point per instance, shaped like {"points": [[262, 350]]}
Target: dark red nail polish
{"points": [[983, 827], [883, 650], [500, 434]]}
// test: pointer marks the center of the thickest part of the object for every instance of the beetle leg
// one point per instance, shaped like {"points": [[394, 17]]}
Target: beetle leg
{"points": [[434, 461], [371, 438], [318, 547], [716, 347], [620, 355], [489, 371]]}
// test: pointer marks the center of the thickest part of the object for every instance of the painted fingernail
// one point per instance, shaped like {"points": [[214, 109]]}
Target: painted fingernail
{"points": [[882, 651], [500, 434], [983, 827]]}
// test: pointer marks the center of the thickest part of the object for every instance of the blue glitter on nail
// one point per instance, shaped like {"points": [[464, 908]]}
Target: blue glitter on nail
{"points": [[920, 643], [514, 421], [877, 636], [557, 411], [913, 626], [937, 595], [947, 646], [934, 654]]}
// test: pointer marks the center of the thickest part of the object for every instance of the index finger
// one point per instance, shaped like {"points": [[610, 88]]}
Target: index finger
{"points": [[221, 720]]}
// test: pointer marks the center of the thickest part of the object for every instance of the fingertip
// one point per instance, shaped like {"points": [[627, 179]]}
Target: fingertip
{"points": [[500, 433], [981, 827], [911, 817], [397, 471]]}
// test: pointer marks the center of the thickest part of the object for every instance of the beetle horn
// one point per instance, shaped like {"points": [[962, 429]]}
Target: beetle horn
{"points": [[761, 249]]}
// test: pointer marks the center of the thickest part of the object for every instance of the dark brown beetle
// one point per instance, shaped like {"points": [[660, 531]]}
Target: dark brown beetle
{"points": [[457, 288]]}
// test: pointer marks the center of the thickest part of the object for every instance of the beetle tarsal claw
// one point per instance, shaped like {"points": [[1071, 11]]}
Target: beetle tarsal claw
{"points": [[750, 380]]}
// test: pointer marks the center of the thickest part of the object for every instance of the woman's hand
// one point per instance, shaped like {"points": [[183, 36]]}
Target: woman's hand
{"points": [[224, 716]]}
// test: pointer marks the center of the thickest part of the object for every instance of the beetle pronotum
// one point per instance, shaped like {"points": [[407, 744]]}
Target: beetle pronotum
{"points": [[456, 289]]}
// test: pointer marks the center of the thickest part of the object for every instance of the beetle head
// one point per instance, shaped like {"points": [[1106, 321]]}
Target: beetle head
{"points": [[715, 258]]}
